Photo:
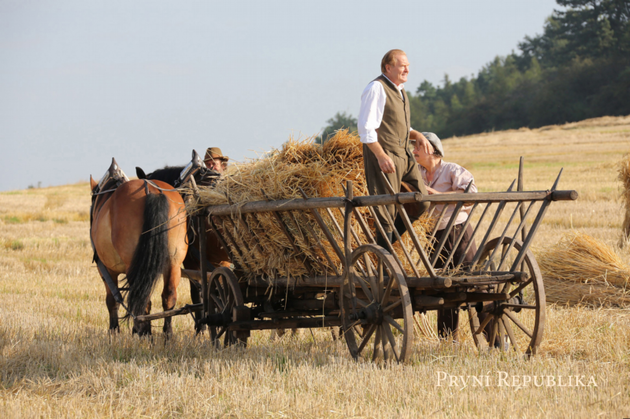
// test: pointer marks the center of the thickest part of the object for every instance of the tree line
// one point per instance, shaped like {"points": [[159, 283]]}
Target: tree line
{"points": [[578, 68]]}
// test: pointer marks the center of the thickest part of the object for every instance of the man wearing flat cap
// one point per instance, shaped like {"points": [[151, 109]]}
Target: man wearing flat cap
{"points": [[385, 131], [443, 177], [215, 160]]}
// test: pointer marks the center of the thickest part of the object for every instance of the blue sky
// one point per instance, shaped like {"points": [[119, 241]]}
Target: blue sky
{"points": [[146, 82]]}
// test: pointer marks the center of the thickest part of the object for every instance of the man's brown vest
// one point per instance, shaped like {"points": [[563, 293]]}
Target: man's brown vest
{"points": [[393, 134]]}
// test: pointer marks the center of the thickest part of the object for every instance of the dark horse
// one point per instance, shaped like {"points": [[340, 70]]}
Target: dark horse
{"points": [[215, 254], [137, 228]]}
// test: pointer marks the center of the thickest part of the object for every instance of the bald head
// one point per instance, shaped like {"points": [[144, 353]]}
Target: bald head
{"points": [[395, 66], [390, 58]]}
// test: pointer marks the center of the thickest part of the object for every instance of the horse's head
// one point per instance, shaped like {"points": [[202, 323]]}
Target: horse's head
{"points": [[181, 175]]}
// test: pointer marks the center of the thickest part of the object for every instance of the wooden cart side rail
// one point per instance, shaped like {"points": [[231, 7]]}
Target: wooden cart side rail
{"points": [[329, 282], [424, 282], [374, 200], [282, 208]]}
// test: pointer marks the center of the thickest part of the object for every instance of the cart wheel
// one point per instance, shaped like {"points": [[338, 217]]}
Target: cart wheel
{"points": [[225, 301], [376, 306], [517, 323]]}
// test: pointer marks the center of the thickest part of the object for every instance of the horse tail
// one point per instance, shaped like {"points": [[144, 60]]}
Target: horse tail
{"points": [[151, 256]]}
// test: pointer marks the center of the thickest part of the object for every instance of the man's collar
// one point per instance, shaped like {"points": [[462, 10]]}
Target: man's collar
{"points": [[399, 87], [436, 171]]}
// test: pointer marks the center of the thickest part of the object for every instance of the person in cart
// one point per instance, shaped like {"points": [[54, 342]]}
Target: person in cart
{"points": [[384, 128], [442, 177], [215, 160]]}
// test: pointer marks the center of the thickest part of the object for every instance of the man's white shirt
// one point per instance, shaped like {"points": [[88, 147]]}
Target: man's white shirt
{"points": [[371, 112]]}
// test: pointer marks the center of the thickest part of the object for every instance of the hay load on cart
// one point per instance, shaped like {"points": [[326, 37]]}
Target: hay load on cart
{"points": [[277, 244]]}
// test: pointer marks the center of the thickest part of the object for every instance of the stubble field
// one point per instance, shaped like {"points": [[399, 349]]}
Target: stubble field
{"points": [[58, 360]]}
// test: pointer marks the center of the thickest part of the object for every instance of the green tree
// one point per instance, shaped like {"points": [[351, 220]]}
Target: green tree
{"points": [[341, 120], [578, 68], [587, 29]]}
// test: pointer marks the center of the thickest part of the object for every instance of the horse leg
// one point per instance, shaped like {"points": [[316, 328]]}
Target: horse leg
{"points": [[112, 305], [143, 328], [172, 276]]}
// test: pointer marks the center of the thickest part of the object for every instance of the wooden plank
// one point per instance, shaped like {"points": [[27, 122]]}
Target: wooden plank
{"points": [[520, 188], [203, 263], [313, 281], [530, 236], [472, 237], [374, 200], [428, 283], [318, 242], [231, 255], [475, 297], [299, 323], [461, 235], [428, 300], [488, 263], [325, 229], [449, 227], [493, 223], [412, 233], [187, 309]]}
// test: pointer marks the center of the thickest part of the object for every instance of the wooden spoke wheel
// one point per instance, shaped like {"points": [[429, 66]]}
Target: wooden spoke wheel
{"points": [[225, 305], [516, 323], [376, 307]]}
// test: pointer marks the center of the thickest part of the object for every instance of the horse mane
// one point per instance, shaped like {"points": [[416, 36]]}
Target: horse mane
{"points": [[169, 174]]}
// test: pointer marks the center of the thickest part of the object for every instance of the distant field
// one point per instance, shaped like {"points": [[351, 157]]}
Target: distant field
{"points": [[57, 359]]}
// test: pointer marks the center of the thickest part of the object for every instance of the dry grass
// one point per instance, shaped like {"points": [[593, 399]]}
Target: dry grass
{"points": [[57, 360], [588, 152], [583, 270]]}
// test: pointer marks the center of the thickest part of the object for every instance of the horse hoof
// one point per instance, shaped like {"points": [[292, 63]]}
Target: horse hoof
{"points": [[141, 330], [200, 329]]}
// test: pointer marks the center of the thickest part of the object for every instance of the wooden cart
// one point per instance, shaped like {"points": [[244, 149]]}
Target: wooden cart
{"points": [[371, 292]]}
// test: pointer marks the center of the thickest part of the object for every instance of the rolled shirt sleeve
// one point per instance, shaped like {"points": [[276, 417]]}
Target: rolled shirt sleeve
{"points": [[450, 178], [460, 178], [371, 112]]}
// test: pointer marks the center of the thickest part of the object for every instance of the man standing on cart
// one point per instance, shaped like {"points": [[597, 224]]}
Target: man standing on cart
{"points": [[385, 131]]}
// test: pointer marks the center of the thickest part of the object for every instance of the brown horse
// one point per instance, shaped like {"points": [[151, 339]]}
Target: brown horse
{"points": [[180, 175], [138, 228], [215, 254]]}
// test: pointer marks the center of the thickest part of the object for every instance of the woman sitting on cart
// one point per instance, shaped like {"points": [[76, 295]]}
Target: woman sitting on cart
{"points": [[442, 177]]}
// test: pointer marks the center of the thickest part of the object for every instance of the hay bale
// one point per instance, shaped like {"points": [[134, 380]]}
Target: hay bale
{"points": [[580, 269], [318, 170], [624, 178]]}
